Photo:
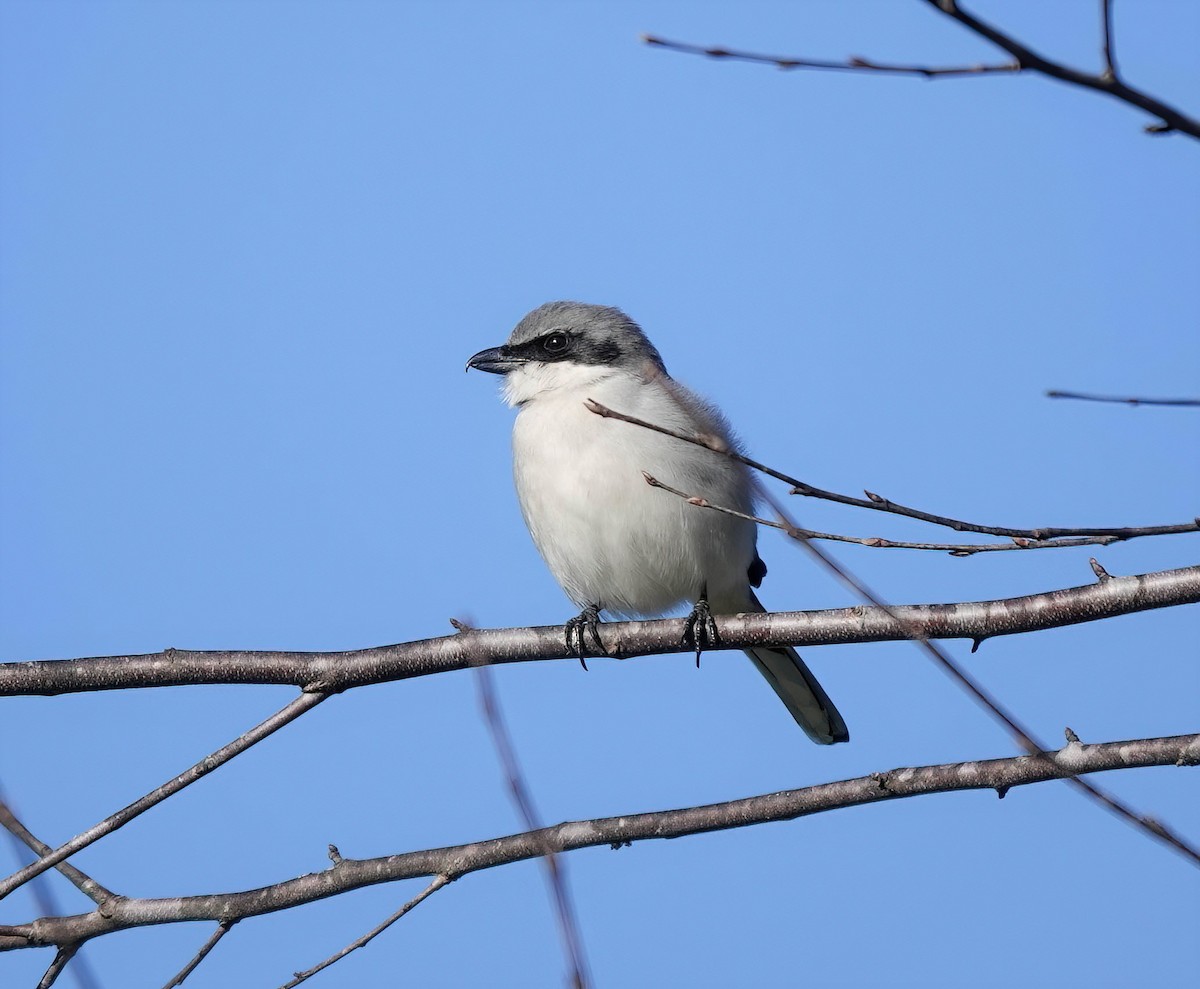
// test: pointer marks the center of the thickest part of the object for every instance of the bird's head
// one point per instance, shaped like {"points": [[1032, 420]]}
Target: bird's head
{"points": [[568, 345]]}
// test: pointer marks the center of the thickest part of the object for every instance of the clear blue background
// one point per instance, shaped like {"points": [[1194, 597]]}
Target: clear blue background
{"points": [[246, 251]]}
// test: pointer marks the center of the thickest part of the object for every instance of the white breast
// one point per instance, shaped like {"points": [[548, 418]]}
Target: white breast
{"points": [[609, 538]]}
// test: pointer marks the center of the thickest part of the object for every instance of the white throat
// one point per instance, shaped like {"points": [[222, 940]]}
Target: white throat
{"points": [[529, 381]]}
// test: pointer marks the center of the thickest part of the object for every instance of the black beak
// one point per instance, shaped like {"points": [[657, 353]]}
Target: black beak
{"points": [[494, 360]]}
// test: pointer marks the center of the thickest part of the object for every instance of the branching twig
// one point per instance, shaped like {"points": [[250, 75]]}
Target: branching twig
{"points": [[878, 503], [878, 542], [287, 714], [1122, 399], [1024, 60], [1106, 82], [308, 973], [456, 861], [976, 620]]}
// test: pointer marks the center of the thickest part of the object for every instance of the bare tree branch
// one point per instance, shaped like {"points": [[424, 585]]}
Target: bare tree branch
{"points": [[336, 671], [433, 887], [878, 503], [322, 673], [453, 862], [223, 928], [1122, 399], [1024, 60], [287, 714]]}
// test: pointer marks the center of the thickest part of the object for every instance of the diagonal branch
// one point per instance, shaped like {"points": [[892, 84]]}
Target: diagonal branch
{"points": [[308, 973], [46, 902], [564, 907], [456, 861], [85, 884], [178, 979], [287, 714], [60, 962], [335, 671], [1019, 731]]}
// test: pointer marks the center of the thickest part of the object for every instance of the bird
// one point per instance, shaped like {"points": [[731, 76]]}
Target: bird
{"points": [[616, 544]]}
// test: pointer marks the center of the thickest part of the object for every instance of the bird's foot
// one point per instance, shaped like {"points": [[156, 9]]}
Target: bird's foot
{"points": [[575, 633], [699, 630]]}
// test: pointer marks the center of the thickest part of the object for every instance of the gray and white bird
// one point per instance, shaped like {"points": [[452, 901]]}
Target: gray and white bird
{"points": [[612, 541]]}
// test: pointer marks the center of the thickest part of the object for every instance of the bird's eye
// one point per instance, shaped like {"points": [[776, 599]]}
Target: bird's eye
{"points": [[556, 343]]}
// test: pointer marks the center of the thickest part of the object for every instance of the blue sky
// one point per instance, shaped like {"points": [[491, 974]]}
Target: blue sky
{"points": [[245, 251]]}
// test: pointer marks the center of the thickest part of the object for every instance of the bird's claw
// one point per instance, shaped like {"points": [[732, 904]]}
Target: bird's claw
{"points": [[575, 633], [699, 630]]}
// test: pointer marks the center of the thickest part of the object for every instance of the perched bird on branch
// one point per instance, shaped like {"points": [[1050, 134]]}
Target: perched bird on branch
{"points": [[612, 541]]}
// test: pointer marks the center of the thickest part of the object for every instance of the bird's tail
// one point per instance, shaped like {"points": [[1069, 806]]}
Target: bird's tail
{"points": [[804, 698]]}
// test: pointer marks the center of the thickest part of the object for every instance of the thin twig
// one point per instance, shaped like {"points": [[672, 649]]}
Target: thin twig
{"points": [[308, 973], [287, 714], [852, 64], [1024, 60], [878, 542], [878, 503], [568, 922], [1122, 399], [1108, 49], [1001, 775], [223, 928]]}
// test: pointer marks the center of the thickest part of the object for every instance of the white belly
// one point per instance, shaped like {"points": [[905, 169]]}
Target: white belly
{"points": [[609, 538]]}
